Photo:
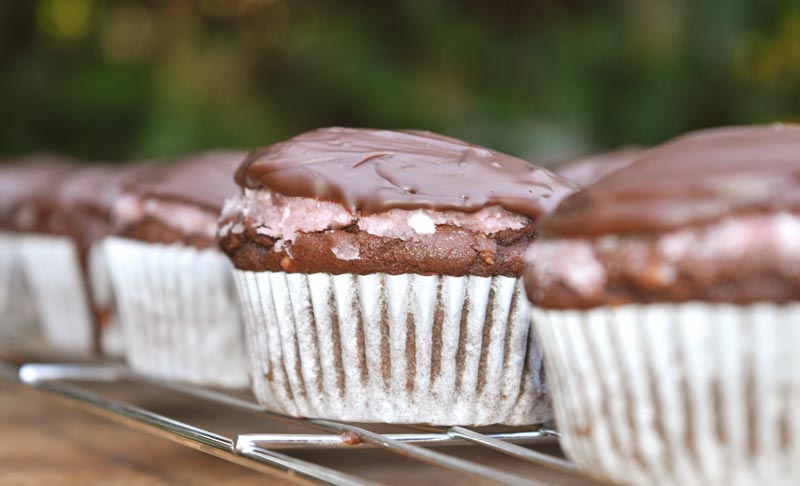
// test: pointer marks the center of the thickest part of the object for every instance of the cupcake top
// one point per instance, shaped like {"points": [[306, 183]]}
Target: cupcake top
{"points": [[78, 204], [588, 170], [25, 178], [345, 200], [204, 179], [373, 171], [95, 188], [710, 216], [178, 203], [693, 179]]}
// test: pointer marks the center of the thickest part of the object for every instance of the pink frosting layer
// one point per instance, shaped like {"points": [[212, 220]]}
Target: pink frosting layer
{"points": [[192, 220], [283, 218]]}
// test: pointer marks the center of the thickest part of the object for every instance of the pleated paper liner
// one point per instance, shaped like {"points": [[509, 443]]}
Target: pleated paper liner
{"points": [[393, 348], [103, 300], [179, 313], [16, 304], [53, 272], [678, 394]]}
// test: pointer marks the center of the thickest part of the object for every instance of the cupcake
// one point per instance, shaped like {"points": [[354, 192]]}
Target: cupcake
{"points": [[667, 300], [173, 287], [588, 170], [379, 277], [19, 181], [65, 227]]}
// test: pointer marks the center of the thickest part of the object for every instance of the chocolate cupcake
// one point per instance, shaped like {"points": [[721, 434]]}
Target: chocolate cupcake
{"points": [[20, 180], [667, 300], [379, 276], [175, 295], [588, 170], [65, 227]]}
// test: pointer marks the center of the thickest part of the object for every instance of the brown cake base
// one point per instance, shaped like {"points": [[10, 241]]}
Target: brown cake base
{"points": [[152, 230], [449, 251]]}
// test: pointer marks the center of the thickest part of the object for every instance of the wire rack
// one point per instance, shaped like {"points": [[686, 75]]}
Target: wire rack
{"points": [[262, 451]]}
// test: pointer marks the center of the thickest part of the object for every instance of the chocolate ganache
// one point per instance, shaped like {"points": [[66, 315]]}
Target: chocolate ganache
{"points": [[372, 171], [202, 179], [96, 188], [78, 204], [23, 179], [697, 178], [588, 170]]}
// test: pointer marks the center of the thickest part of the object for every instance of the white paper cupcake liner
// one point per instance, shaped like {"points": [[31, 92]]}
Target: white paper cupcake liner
{"points": [[53, 271], [16, 305], [103, 296], [393, 348], [678, 394], [178, 311]]}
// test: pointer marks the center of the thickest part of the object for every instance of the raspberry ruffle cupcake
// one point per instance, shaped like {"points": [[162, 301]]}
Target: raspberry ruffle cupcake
{"points": [[667, 301], [65, 227], [379, 277], [174, 288], [20, 180]]}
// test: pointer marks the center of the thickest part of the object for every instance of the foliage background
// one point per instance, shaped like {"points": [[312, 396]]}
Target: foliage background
{"points": [[122, 79]]}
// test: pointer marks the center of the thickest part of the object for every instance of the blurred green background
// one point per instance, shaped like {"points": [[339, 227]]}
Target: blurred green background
{"points": [[126, 79]]}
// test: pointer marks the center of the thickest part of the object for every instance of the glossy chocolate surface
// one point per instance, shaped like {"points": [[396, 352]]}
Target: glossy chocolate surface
{"points": [[27, 178], [694, 179], [372, 171], [96, 188], [203, 179], [590, 169]]}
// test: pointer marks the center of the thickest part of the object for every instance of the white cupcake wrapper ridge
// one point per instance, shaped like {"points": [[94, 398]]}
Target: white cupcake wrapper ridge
{"points": [[178, 311], [53, 272], [16, 303], [103, 294], [393, 348], [678, 394]]}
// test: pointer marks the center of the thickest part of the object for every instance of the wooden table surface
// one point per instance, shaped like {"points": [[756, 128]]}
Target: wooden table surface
{"points": [[46, 442]]}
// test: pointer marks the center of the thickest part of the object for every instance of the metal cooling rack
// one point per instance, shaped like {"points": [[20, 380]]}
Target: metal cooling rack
{"points": [[261, 451]]}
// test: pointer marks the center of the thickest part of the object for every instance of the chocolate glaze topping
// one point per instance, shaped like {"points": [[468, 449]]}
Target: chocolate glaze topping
{"points": [[202, 179], [372, 171], [78, 205], [697, 178], [25, 178], [590, 169], [96, 188]]}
